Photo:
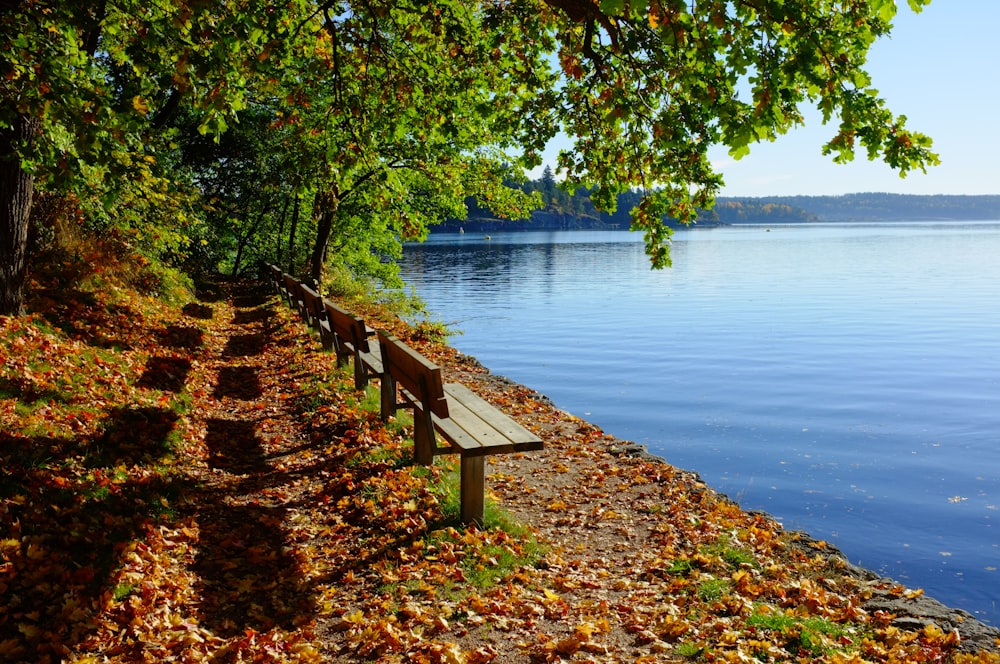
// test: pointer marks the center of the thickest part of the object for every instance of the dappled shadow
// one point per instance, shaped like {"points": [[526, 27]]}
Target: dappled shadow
{"points": [[134, 436], [233, 446], [72, 530], [27, 392], [250, 297], [182, 336], [249, 576], [253, 316], [238, 383], [198, 310], [209, 292], [165, 373], [244, 345], [79, 315]]}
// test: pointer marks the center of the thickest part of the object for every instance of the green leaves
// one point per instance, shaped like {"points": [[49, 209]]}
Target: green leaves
{"points": [[381, 118]]}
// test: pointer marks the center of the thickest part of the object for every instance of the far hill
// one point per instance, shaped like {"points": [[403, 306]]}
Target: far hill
{"points": [[894, 207]]}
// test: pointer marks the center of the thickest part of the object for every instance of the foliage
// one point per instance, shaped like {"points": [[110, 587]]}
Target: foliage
{"points": [[649, 86], [313, 133]]}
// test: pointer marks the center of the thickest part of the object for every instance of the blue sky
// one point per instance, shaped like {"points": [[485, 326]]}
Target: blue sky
{"points": [[941, 69]]}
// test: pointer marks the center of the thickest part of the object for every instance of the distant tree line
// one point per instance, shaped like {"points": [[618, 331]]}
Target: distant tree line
{"points": [[563, 210]]}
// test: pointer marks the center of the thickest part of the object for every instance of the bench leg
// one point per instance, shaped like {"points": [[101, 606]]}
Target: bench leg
{"points": [[473, 489], [423, 438], [360, 373], [387, 392]]}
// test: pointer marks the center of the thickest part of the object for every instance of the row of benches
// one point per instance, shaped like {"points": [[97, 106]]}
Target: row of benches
{"points": [[469, 425]]}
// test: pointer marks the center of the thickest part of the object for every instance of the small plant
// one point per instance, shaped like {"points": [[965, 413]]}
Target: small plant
{"points": [[681, 567], [690, 650], [712, 590], [811, 635], [734, 556], [122, 590]]}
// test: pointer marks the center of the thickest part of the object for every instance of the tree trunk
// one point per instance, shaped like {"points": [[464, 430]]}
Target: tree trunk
{"points": [[244, 240], [291, 237], [325, 210], [323, 230], [16, 191], [281, 232]]}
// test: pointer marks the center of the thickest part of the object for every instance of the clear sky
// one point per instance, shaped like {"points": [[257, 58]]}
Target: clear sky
{"points": [[939, 68]]}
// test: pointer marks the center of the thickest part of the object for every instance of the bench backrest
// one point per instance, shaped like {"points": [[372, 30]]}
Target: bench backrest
{"points": [[276, 277], [294, 288], [414, 373], [291, 287], [347, 327], [314, 304]]}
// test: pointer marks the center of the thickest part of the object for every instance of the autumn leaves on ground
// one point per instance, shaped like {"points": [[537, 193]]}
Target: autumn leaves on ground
{"points": [[203, 484]]}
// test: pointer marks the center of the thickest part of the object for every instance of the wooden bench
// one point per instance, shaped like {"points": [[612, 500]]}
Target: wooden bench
{"points": [[293, 289], [350, 335], [318, 318], [276, 278], [473, 427]]}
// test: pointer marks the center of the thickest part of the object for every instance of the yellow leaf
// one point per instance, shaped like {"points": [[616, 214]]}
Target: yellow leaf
{"points": [[140, 105], [568, 646], [585, 630]]}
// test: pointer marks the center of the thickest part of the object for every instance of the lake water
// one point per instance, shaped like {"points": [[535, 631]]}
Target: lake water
{"points": [[844, 378]]}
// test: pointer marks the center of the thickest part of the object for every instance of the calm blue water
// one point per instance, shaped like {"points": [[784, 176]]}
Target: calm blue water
{"points": [[844, 378]]}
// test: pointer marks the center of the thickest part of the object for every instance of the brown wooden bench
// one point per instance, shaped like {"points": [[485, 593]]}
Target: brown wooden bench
{"points": [[276, 278], [318, 318], [293, 290], [350, 336], [473, 427]]}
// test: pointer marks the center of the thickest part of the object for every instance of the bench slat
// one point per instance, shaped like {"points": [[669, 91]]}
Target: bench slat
{"points": [[479, 428]]}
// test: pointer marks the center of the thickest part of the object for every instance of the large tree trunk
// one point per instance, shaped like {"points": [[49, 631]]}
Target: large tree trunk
{"points": [[325, 211], [291, 237], [323, 230], [16, 191]]}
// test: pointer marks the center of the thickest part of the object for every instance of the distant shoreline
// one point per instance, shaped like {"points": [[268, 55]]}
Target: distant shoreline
{"points": [[734, 211]]}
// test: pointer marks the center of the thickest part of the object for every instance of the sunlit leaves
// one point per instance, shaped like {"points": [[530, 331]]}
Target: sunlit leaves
{"points": [[649, 87]]}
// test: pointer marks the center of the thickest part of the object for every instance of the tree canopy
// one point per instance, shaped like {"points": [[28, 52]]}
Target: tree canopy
{"points": [[212, 134]]}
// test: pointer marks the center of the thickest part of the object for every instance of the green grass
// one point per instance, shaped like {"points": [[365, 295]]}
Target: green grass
{"points": [[493, 562], [816, 636], [734, 556], [690, 650], [712, 590], [122, 590]]}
